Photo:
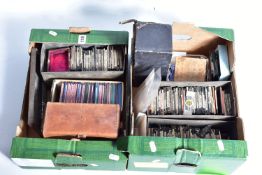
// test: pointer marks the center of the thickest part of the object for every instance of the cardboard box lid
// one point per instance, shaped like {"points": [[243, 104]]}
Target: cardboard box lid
{"points": [[59, 153], [189, 38], [64, 36]]}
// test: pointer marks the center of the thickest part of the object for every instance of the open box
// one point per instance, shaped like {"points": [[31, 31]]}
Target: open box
{"points": [[108, 74], [29, 149], [216, 84], [188, 155]]}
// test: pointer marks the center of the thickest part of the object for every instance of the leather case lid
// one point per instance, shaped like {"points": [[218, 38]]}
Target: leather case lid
{"points": [[76, 120]]}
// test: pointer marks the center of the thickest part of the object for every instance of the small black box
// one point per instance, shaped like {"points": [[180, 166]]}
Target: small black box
{"points": [[152, 48]]}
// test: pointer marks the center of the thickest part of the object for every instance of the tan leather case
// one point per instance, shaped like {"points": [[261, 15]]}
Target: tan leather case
{"points": [[77, 120], [190, 69]]}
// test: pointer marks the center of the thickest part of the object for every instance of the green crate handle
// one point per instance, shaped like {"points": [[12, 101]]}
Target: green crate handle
{"points": [[69, 160], [187, 158]]}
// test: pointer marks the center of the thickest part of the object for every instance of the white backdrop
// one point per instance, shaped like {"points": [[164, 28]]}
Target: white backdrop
{"points": [[18, 17]]}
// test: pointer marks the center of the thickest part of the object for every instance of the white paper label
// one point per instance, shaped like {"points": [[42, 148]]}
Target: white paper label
{"points": [[53, 33], [176, 54], [181, 37], [220, 145], [155, 161], [81, 39], [92, 164], [151, 164], [114, 157], [152, 146], [33, 162]]}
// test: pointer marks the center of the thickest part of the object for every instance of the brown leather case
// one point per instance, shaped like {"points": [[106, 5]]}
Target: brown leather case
{"points": [[190, 69], [78, 120]]}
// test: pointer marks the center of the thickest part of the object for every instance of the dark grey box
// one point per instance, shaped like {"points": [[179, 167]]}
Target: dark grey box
{"points": [[152, 48]]}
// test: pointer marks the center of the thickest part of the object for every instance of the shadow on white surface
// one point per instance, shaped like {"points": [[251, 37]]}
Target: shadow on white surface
{"points": [[15, 67]]}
